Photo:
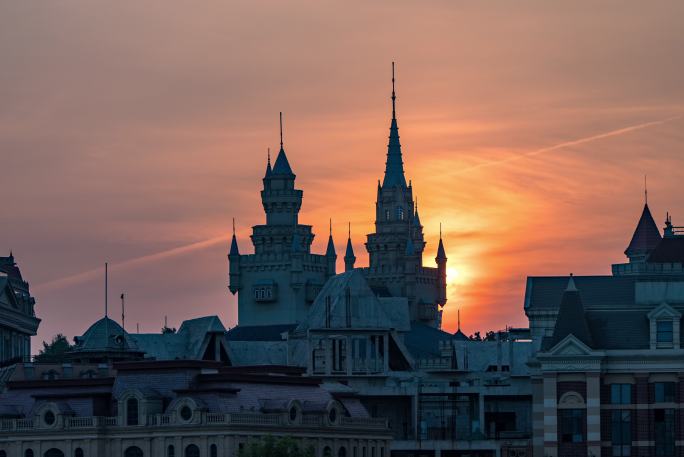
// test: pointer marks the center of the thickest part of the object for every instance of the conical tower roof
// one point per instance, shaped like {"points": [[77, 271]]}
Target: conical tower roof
{"points": [[646, 236], [282, 166], [394, 167]]}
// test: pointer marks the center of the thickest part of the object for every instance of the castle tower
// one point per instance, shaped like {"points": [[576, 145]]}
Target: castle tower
{"points": [[279, 281]]}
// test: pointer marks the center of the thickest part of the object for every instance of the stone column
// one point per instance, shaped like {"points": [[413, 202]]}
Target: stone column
{"points": [[593, 414], [550, 415], [537, 417], [349, 353]]}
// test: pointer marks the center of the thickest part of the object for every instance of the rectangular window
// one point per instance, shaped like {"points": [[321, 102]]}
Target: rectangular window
{"points": [[621, 394], [664, 392], [621, 428], [571, 423], [664, 332], [664, 427]]}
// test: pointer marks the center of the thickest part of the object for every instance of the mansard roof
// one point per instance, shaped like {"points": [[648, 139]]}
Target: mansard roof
{"points": [[330, 309], [670, 249], [646, 235], [282, 166]]}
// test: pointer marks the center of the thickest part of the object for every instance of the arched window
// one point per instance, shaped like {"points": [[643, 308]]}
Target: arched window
{"points": [[3, 453], [342, 452], [132, 411], [133, 451], [29, 453], [191, 451], [78, 452], [327, 452], [213, 451], [400, 213], [54, 452], [171, 451]]}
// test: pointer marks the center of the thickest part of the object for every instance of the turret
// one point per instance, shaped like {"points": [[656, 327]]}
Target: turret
{"points": [[441, 261], [280, 199], [234, 264], [349, 257], [330, 255]]}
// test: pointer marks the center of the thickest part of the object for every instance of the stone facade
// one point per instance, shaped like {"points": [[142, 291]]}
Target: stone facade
{"points": [[18, 321]]}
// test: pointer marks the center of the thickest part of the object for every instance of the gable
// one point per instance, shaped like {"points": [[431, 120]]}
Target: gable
{"points": [[570, 345]]}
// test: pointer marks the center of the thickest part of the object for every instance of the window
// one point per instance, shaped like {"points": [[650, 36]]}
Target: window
{"points": [[664, 332], [186, 413], [192, 451], [327, 452], [621, 428], [387, 214], [664, 392], [29, 453], [342, 452], [3, 453], [170, 451], [213, 451], [571, 425], [664, 425], [49, 417], [54, 452], [133, 451], [621, 394], [332, 415], [400, 213], [132, 411], [78, 452]]}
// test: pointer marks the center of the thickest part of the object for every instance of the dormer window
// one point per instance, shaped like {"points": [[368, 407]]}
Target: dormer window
{"points": [[400, 213], [664, 333], [665, 327]]}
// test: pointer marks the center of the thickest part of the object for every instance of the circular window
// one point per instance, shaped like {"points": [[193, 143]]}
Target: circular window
{"points": [[332, 415], [293, 414], [49, 417], [186, 413]]}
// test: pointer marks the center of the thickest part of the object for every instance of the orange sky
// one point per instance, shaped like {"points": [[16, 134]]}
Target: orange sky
{"points": [[134, 131]]}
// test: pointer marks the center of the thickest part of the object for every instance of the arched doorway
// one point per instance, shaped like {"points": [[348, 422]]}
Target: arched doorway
{"points": [[192, 451], [133, 451], [53, 452]]}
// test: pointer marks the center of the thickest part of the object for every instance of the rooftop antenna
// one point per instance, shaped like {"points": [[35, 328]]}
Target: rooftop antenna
{"points": [[394, 96], [281, 130]]}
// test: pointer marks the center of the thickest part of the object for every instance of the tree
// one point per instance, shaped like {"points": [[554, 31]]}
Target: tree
{"points": [[54, 351], [270, 446]]}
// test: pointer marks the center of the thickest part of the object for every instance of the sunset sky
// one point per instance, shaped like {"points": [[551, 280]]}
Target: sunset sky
{"points": [[133, 132]]}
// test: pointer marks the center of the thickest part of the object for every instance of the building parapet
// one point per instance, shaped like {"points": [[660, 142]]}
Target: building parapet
{"points": [[626, 269]]}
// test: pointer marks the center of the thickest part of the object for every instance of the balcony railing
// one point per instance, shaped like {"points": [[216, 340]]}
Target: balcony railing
{"points": [[165, 420]]}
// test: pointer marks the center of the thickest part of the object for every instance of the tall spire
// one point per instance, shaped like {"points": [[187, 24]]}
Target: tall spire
{"points": [[269, 170], [645, 191], [282, 166], [330, 251], [233, 244], [441, 253], [349, 257], [394, 167]]}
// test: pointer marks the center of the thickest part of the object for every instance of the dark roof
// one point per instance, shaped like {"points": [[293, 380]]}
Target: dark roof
{"points": [[441, 255], [646, 235], [423, 340], [669, 250], [282, 166], [571, 319], [258, 332], [545, 292], [460, 336], [234, 246]]}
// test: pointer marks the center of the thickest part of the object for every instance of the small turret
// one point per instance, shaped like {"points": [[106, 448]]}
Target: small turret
{"points": [[349, 257], [330, 254], [234, 264], [441, 261]]}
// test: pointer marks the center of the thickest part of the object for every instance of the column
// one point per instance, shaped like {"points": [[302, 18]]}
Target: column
{"points": [[349, 353], [550, 416], [537, 417], [593, 414], [385, 355]]}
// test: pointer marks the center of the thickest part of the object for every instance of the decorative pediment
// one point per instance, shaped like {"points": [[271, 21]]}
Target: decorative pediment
{"points": [[664, 311], [570, 346]]}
